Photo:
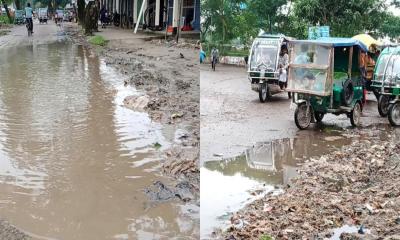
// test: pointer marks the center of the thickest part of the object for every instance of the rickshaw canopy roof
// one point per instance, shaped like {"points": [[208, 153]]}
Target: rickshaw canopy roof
{"points": [[335, 42], [391, 50], [274, 36], [370, 42]]}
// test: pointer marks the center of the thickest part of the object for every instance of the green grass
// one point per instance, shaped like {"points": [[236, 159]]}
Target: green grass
{"points": [[266, 237], [157, 145], [98, 40], [4, 19]]}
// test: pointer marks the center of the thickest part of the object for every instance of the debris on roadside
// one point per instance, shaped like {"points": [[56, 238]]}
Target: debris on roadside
{"points": [[356, 186], [9, 232]]}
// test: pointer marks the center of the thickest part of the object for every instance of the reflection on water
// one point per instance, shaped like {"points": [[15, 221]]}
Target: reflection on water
{"points": [[68, 150], [227, 185]]}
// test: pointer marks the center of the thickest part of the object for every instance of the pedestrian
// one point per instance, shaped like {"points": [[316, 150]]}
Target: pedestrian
{"points": [[214, 57], [28, 16]]}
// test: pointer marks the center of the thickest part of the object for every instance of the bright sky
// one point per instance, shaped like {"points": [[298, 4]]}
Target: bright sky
{"points": [[395, 11]]}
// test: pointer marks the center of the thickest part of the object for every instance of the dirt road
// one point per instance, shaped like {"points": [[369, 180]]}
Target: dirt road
{"points": [[233, 119]]}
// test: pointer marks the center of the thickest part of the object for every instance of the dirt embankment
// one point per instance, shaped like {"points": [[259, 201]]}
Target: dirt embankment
{"points": [[168, 74], [356, 186]]}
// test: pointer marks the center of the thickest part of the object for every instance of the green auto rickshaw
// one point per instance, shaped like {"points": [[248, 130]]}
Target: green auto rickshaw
{"points": [[386, 82], [324, 74]]}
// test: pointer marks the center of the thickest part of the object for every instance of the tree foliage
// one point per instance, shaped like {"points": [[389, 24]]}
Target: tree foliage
{"points": [[225, 20]]}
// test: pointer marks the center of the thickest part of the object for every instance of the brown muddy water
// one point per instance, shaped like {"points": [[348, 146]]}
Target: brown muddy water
{"points": [[74, 161], [229, 184]]}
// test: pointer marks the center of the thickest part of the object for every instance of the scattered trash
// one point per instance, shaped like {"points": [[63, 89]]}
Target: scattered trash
{"points": [[176, 115], [137, 103], [355, 185]]}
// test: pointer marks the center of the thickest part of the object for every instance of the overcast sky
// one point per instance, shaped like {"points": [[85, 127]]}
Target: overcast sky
{"points": [[394, 10]]}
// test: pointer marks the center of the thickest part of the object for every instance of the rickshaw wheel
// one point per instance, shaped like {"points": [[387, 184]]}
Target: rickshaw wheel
{"points": [[383, 105], [348, 92], [355, 115], [263, 92], [319, 116], [302, 116], [394, 114]]}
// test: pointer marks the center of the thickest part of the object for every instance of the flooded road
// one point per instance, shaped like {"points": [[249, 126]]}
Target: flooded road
{"points": [[74, 161]]}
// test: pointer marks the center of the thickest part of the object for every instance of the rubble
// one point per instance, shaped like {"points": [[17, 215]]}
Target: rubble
{"points": [[356, 186]]}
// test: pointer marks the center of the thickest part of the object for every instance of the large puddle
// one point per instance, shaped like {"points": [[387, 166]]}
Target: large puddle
{"points": [[74, 161], [229, 184]]}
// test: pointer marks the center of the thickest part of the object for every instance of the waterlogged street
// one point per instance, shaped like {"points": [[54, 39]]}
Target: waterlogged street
{"points": [[74, 160], [250, 149]]}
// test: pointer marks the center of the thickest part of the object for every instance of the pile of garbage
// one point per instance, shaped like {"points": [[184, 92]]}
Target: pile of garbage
{"points": [[356, 186]]}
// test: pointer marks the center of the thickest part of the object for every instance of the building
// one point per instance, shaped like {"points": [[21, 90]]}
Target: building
{"points": [[156, 15]]}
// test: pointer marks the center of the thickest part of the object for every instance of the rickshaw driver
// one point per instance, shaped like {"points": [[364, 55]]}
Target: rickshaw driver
{"points": [[283, 66]]}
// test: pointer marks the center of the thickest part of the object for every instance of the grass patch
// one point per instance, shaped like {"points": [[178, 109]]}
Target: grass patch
{"points": [[98, 40], [266, 237], [157, 145]]}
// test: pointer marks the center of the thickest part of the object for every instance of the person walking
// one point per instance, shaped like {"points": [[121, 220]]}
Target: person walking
{"points": [[28, 16]]}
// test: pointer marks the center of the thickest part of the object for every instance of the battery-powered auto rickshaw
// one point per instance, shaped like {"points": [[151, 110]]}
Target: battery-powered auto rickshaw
{"points": [[387, 82], [324, 74], [263, 69]]}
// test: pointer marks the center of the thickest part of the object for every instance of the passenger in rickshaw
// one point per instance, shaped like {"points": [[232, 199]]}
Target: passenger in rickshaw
{"points": [[283, 64], [366, 65]]}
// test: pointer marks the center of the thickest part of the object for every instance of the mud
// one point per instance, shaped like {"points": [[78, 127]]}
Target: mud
{"points": [[168, 73], [263, 168], [10, 232], [269, 145], [233, 119], [93, 156], [355, 186]]}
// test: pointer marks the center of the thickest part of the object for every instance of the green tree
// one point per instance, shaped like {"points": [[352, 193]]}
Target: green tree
{"points": [[219, 18], [345, 17], [391, 27], [5, 5]]}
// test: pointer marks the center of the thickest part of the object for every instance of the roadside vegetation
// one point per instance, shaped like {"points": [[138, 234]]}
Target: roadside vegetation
{"points": [[98, 40], [227, 22]]}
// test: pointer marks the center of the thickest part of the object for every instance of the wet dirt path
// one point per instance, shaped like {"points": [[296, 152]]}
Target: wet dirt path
{"points": [[74, 161], [251, 148], [233, 119]]}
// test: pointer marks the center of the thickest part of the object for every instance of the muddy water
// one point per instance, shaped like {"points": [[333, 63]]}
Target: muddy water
{"points": [[73, 161], [229, 184]]}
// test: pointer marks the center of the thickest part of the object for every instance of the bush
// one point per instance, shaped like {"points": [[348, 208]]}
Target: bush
{"points": [[226, 50], [4, 19], [98, 40]]}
